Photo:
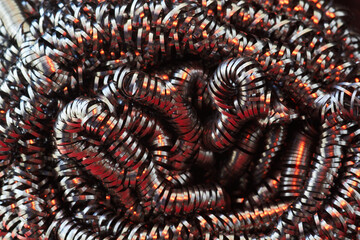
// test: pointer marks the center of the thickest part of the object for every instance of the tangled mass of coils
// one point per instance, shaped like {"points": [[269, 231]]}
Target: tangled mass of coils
{"points": [[178, 120]]}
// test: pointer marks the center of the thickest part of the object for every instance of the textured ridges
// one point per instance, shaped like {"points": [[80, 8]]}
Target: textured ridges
{"points": [[178, 120]]}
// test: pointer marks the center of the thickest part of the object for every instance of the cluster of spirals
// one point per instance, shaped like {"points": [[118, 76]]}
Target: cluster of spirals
{"points": [[179, 120]]}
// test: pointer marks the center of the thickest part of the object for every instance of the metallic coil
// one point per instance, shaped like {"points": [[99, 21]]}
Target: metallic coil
{"points": [[300, 28], [238, 90], [274, 142], [241, 155], [295, 164], [178, 120]]}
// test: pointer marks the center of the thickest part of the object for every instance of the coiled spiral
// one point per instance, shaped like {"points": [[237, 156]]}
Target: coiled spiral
{"points": [[178, 120]]}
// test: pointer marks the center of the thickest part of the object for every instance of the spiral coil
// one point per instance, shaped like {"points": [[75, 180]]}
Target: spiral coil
{"points": [[178, 120]]}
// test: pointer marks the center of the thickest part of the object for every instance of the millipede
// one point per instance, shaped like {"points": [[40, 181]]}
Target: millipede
{"points": [[179, 119]]}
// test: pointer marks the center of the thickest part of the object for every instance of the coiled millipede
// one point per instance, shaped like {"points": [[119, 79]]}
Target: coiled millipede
{"points": [[178, 119]]}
